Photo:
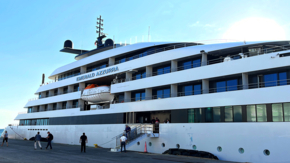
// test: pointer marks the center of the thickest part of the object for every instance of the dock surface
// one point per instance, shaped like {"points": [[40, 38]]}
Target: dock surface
{"points": [[20, 151]]}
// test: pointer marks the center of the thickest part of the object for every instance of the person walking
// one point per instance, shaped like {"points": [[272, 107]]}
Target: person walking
{"points": [[49, 139], [123, 141], [5, 138], [37, 140], [127, 130], [83, 141]]}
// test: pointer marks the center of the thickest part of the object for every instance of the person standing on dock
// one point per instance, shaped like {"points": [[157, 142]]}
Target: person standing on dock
{"points": [[5, 138], [123, 141], [83, 141], [49, 138], [37, 140]]}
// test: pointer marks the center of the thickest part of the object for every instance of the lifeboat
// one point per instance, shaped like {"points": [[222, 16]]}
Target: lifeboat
{"points": [[97, 94]]}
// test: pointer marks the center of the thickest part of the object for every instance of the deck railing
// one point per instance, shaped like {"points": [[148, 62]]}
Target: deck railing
{"points": [[211, 90], [209, 62]]}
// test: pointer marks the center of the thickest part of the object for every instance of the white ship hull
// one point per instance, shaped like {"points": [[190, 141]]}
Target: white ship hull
{"points": [[254, 138]]}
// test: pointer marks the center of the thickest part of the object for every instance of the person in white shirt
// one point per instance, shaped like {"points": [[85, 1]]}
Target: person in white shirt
{"points": [[123, 141]]}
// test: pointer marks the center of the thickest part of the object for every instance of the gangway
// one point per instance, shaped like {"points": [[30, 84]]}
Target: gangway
{"points": [[137, 131]]}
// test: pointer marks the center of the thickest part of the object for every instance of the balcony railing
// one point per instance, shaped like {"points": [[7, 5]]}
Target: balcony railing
{"points": [[65, 92], [209, 62], [211, 90], [157, 50], [54, 109], [98, 108]]}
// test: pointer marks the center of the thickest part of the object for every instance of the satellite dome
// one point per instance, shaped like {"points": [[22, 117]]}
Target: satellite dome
{"points": [[109, 42], [68, 44]]}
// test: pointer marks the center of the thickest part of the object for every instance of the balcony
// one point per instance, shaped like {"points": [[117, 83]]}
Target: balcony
{"points": [[211, 62], [275, 83]]}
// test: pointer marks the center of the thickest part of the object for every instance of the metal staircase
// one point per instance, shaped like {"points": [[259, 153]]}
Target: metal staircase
{"points": [[137, 131]]}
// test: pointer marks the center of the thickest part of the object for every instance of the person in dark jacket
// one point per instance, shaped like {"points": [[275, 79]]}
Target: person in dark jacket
{"points": [[37, 140], [127, 130], [83, 141], [49, 139], [153, 120]]}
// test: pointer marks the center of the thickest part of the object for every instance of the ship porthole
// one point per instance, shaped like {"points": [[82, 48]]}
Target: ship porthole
{"points": [[194, 147], [150, 144], [241, 150], [219, 149], [163, 145], [266, 152], [138, 143], [177, 146]]}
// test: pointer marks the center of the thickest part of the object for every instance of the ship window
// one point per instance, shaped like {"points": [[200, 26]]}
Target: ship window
{"points": [[270, 80], [121, 98], [76, 88], [163, 93], [54, 106], [266, 152], [228, 114], [221, 86], [29, 110], [229, 85], [194, 115], [75, 103], [197, 89], [283, 78], [186, 65], [241, 150], [190, 115], [140, 75], [65, 89], [198, 115], [251, 113], [190, 64], [237, 113], [232, 85], [216, 114], [55, 92], [277, 112], [163, 70], [139, 96], [219, 149], [187, 90], [261, 113], [208, 114], [286, 112], [196, 63], [64, 105]]}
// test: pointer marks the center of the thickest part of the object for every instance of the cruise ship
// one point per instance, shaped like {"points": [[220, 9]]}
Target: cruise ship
{"points": [[230, 99]]}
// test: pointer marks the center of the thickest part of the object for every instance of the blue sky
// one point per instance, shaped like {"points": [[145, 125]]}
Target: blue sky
{"points": [[33, 32]]}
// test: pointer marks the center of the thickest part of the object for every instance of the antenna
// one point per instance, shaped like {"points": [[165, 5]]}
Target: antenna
{"points": [[148, 33], [99, 26]]}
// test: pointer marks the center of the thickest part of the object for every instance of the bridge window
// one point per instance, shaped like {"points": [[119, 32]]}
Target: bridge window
{"points": [[277, 112], [286, 109], [261, 113], [251, 113]]}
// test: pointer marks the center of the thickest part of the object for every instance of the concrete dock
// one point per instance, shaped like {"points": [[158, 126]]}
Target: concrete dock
{"points": [[23, 151]]}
